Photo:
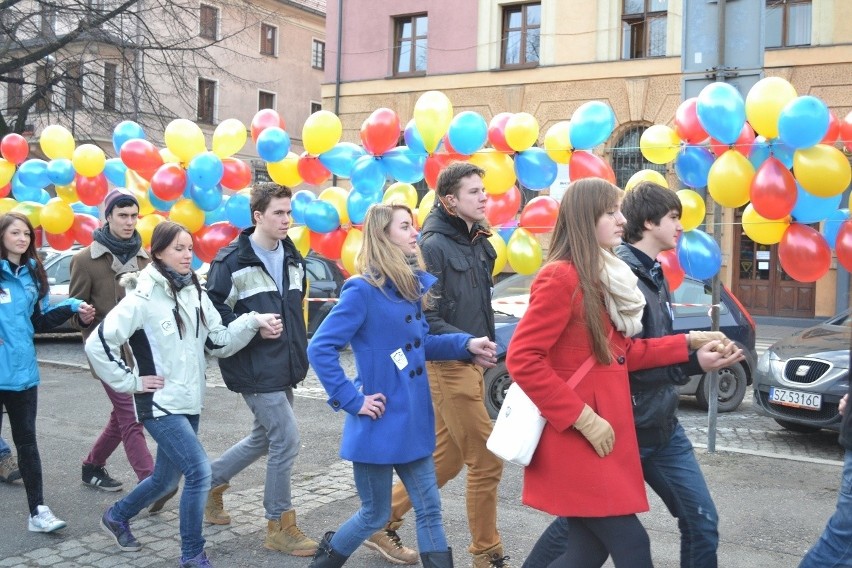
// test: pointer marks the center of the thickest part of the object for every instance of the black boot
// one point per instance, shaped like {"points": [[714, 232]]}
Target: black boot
{"points": [[437, 559], [325, 556]]}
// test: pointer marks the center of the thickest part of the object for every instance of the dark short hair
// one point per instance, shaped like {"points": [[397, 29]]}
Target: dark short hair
{"points": [[647, 201], [450, 177], [264, 192]]}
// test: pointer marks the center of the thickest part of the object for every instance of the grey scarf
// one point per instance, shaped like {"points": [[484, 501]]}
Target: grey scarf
{"points": [[121, 249]]}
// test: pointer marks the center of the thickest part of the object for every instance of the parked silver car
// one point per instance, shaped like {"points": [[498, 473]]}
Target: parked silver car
{"points": [[57, 264]]}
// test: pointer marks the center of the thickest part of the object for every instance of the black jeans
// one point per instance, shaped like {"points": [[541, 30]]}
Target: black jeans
{"points": [[21, 406]]}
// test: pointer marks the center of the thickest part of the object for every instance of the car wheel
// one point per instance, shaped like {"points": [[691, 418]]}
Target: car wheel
{"points": [[732, 389], [497, 382], [796, 427]]}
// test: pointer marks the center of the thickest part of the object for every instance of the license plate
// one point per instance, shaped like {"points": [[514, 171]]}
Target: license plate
{"points": [[797, 399]]}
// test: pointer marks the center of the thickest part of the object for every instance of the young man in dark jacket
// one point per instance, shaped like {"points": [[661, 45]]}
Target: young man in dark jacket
{"points": [[262, 271]]}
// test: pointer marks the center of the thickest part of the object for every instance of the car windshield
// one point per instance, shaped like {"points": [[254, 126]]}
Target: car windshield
{"points": [[512, 295], [842, 320]]}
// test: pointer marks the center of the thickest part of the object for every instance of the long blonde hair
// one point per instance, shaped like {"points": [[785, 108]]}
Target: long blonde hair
{"points": [[381, 260], [574, 239]]}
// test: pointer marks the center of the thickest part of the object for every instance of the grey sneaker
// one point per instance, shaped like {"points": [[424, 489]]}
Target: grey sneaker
{"points": [[97, 476], [44, 521], [9, 471], [120, 532]]}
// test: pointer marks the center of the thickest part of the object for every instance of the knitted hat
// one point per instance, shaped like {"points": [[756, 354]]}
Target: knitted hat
{"points": [[117, 195]]}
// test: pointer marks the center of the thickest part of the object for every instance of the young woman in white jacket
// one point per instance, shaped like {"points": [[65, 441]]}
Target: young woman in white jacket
{"points": [[169, 322]]}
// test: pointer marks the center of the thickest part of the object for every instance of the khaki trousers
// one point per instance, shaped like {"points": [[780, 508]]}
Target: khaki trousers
{"points": [[462, 427]]}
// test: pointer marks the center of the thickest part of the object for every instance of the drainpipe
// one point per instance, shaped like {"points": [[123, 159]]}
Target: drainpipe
{"points": [[338, 63]]}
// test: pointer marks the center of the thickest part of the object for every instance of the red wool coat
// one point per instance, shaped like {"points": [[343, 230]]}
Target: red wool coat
{"points": [[566, 477]]}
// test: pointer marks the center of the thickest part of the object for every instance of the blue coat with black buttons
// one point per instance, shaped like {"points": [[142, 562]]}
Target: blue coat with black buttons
{"points": [[376, 323]]}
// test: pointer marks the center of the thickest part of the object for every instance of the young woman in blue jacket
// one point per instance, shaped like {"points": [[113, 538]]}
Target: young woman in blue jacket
{"points": [[390, 423], [25, 308]]}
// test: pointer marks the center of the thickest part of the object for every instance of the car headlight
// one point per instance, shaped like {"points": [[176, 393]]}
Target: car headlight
{"points": [[764, 362]]}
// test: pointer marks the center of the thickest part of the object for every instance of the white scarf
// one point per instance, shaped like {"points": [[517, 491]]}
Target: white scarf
{"points": [[624, 301]]}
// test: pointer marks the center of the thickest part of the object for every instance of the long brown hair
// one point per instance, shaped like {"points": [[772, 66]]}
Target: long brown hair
{"points": [[164, 235], [39, 275], [574, 240]]}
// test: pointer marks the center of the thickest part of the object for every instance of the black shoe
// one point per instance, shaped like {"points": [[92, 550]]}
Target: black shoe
{"points": [[98, 477]]}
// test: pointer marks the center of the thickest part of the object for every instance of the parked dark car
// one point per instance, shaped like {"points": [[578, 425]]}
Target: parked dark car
{"points": [[800, 379], [691, 303]]}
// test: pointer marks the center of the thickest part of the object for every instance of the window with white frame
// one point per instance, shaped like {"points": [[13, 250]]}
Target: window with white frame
{"points": [[206, 101], [318, 54], [643, 28], [788, 23], [208, 24], [268, 39], [265, 99]]}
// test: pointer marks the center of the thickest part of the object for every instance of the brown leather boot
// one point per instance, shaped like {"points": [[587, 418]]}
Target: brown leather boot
{"points": [[491, 558], [387, 543], [285, 536], [214, 510]]}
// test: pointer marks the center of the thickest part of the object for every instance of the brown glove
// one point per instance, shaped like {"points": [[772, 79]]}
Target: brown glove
{"points": [[596, 430], [698, 339]]}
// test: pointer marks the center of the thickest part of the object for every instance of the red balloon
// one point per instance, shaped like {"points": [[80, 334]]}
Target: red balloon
{"points": [[846, 131], [451, 152], [264, 119], [328, 245], [5, 190], [60, 241], [210, 239], [502, 207], [434, 165], [843, 245], [237, 174], [585, 164], [773, 190], [497, 132], [687, 126], [743, 144], [168, 182], [92, 190], [833, 132], [312, 170], [142, 156], [83, 227], [539, 215], [804, 253], [380, 132], [14, 148], [672, 271]]}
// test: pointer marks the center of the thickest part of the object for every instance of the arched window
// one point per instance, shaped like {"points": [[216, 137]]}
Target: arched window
{"points": [[627, 159]]}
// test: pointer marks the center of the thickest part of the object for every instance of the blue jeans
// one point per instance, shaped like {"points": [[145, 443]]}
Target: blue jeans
{"points": [[374, 483], [179, 452], [834, 547], [5, 450]]}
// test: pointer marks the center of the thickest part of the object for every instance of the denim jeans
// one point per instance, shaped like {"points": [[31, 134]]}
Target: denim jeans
{"points": [[5, 450], [834, 547], [374, 482], [275, 433], [22, 407], [179, 452]]}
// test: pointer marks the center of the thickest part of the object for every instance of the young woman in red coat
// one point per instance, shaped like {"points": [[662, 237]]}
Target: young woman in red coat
{"points": [[584, 303]]}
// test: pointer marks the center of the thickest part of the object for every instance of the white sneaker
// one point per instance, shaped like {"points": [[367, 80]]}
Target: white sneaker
{"points": [[44, 521]]}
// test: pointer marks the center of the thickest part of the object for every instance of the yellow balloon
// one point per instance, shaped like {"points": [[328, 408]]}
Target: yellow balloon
{"points": [[229, 137], [764, 103], [301, 237], [184, 139], [68, 193], [146, 225], [134, 181], [822, 170], [285, 172], [7, 204], [401, 193], [523, 252], [659, 144], [729, 180], [57, 142], [351, 248], [694, 209], [169, 157], [57, 216], [433, 113], [31, 210], [7, 171], [557, 142], [425, 207], [187, 213], [762, 230], [499, 170], [500, 246], [337, 196], [521, 131], [88, 160], [646, 175], [145, 205], [321, 132]]}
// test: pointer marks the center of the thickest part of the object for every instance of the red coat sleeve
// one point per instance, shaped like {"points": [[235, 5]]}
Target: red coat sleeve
{"points": [[656, 352]]}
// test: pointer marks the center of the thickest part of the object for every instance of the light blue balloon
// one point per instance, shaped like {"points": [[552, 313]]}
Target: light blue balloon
{"points": [[205, 170], [403, 164], [507, 229], [273, 144], [43, 197], [810, 208], [83, 209], [803, 122], [196, 263], [207, 198], [591, 124], [299, 202], [340, 159], [367, 174], [764, 148], [160, 204], [357, 203], [116, 172], [832, 225], [321, 216], [60, 171], [22, 191], [699, 255], [535, 169], [467, 132], [124, 131], [238, 212], [33, 173], [721, 112], [218, 214], [692, 165], [413, 139]]}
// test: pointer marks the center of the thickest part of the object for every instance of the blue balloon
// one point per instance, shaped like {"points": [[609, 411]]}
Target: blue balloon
{"points": [[321, 216], [812, 209], [160, 204], [721, 112], [692, 165], [22, 191], [124, 131], [218, 214], [535, 169], [43, 197], [357, 203], [33, 173], [299, 202], [832, 226], [60, 171], [196, 263], [116, 172], [591, 124], [207, 198], [699, 255], [467, 133], [368, 174], [340, 159], [403, 164], [238, 211], [83, 209], [507, 229], [803, 122], [205, 170], [764, 148], [413, 139], [273, 144]]}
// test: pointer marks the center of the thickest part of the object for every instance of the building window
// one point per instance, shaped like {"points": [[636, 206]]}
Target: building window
{"points": [[318, 54], [15, 90], [410, 45], [110, 85], [48, 21], [268, 39], [788, 23], [206, 101], [74, 86], [643, 28], [521, 29], [315, 107], [627, 158], [265, 100], [44, 87], [209, 22]]}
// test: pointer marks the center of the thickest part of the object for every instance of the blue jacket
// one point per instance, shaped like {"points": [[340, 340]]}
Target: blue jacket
{"points": [[21, 314], [378, 323]]}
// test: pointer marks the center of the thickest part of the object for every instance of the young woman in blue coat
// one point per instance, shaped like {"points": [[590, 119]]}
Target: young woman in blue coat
{"points": [[24, 308], [390, 423]]}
